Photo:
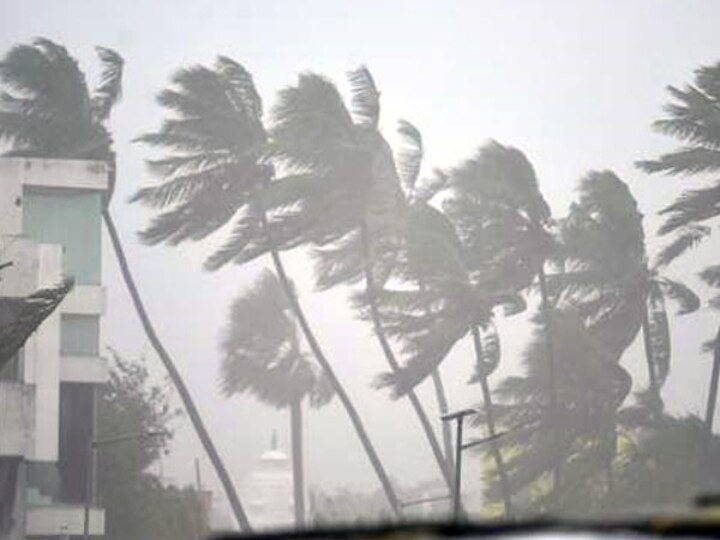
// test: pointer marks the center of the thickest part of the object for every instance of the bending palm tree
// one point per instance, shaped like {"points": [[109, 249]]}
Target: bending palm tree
{"points": [[608, 279], [216, 171], [52, 114], [693, 119], [262, 355], [502, 219], [446, 306], [355, 217]]}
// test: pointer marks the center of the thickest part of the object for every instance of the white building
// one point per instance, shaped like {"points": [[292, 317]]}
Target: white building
{"points": [[50, 228], [268, 490]]}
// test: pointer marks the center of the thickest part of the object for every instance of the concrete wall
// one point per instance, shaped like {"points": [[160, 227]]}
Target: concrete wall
{"points": [[17, 418]]}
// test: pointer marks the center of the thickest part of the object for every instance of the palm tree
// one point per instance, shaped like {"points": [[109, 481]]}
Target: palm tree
{"points": [[693, 119], [48, 112], [608, 279], [354, 215], [216, 171], [503, 220], [445, 306], [262, 355]]}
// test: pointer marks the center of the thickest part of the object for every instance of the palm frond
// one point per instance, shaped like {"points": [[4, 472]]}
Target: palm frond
{"points": [[692, 207], [410, 157], [108, 93], [365, 97], [686, 238], [688, 301], [711, 275]]}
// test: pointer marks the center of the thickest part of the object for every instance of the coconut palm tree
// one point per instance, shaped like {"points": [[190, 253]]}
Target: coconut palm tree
{"points": [[607, 276], [262, 356], [48, 111], [354, 216], [448, 301], [504, 224], [215, 169], [694, 118]]}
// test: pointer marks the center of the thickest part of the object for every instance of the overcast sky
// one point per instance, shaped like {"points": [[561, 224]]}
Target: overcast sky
{"points": [[574, 84]]}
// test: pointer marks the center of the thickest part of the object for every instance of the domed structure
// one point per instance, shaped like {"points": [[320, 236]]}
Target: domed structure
{"points": [[269, 490]]}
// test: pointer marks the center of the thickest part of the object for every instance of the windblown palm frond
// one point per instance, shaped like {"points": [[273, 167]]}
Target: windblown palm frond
{"points": [[694, 118], [214, 140], [47, 109], [20, 317]]}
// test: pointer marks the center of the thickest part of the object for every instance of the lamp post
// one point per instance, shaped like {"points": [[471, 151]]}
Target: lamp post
{"points": [[90, 476], [458, 417]]}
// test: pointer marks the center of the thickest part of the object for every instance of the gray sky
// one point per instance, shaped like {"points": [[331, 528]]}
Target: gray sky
{"points": [[574, 84]]}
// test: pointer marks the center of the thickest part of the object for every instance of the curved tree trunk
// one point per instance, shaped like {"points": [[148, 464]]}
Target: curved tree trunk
{"points": [[392, 361], [298, 462], [328, 370], [710, 411], [492, 432], [175, 376], [652, 376], [443, 409], [550, 351]]}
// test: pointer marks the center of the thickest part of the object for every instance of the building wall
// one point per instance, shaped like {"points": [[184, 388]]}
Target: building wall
{"points": [[72, 219]]}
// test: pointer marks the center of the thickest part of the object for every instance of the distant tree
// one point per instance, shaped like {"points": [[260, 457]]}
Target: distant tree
{"points": [[137, 504], [217, 170], [262, 356], [694, 118], [47, 111]]}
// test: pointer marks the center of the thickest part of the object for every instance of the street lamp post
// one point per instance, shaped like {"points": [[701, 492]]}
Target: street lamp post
{"points": [[458, 417], [90, 476]]}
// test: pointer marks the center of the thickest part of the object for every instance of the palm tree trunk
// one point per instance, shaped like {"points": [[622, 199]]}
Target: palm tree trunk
{"points": [[443, 409], [392, 361], [490, 418], [296, 433], [334, 381], [710, 415], [713, 393], [652, 376], [550, 351], [176, 378]]}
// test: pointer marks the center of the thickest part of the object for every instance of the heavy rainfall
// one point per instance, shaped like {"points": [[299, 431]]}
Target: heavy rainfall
{"points": [[290, 265]]}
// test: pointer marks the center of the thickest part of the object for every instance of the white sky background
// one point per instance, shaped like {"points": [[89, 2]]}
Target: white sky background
{"points": [[573, 84]]}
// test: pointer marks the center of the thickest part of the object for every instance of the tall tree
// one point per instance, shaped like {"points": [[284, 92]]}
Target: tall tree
{"points": [[262, 356], [48, 111], [505, 223], [447, 303], [693, 117], [216, 170], [354, 214], [607, 276]]}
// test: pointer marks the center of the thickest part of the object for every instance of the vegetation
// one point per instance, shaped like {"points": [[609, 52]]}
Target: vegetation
{"points": [[430, 260], [137, 503], [48, 111]]}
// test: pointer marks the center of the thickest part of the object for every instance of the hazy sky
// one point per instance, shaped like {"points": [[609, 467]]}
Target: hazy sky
{"points": [[573, 84]]}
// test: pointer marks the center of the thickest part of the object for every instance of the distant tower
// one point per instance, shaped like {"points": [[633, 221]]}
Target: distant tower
{"points": [[269, 490]]}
